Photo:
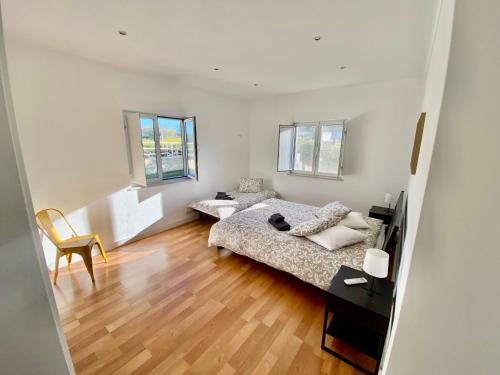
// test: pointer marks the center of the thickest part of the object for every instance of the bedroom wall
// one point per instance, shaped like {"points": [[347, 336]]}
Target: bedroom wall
{"points": [[432, 100], [31, 337], [69, 113], [381, 125], [449, 317]]}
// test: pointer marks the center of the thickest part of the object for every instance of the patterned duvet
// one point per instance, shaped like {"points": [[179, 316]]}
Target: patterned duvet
{"points": [[248, 233], [225, 208]]}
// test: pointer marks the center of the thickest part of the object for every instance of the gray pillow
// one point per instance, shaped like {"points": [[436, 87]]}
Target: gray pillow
{"points": [[313, 226], [251, 185], [333, 210]]}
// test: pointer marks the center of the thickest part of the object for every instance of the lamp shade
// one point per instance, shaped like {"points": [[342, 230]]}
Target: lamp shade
{"points": [[388, 198], [376, 263]]}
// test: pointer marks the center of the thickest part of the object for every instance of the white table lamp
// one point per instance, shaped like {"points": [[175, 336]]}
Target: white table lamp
{"points": [[388, 199], [376, 264]]}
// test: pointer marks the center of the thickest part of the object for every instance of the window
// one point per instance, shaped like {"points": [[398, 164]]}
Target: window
{"points": [[312, 148], [303, 158], [171, 147], [161, 148]]}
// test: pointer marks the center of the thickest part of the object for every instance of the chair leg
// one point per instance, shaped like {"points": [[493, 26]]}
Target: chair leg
{"points": [[68, 258], [87, 259], [56, 269], [101, 248]]}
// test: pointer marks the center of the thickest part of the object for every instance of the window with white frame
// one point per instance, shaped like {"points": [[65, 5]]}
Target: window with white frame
{"points": [[161, 148], [312, 148]]}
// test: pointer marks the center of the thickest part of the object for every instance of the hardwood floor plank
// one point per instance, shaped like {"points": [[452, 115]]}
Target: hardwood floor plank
{"points": [[134, 363], [287, 354], [305, 362], [216, 355], [265, 365], [227, 370]]}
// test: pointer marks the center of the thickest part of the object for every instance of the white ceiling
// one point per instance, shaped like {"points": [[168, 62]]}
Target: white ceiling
{"points": [[270, 42]]}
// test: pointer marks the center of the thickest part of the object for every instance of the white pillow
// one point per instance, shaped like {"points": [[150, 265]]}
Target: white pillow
{"points": [[337, 237], [354, 220]]}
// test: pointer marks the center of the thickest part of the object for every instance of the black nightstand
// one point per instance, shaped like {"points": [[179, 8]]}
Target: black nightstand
{"points": [[382, 213], [357, 320]]}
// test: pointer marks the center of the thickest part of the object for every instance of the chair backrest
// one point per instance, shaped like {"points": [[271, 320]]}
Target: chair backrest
{"points": [[45, 220]]}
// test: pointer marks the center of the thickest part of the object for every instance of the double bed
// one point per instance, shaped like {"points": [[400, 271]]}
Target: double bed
{"points": [[248, 233]]}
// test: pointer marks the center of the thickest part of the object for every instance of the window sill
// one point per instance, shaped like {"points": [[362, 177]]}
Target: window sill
{"points": [[162, 182], [325, 177]]}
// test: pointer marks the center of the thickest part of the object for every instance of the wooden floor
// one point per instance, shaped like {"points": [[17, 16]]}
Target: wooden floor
{"points": [[168, 304]]}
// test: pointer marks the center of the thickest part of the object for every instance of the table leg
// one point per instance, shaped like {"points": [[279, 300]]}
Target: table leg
{"points": [[325, 322]]}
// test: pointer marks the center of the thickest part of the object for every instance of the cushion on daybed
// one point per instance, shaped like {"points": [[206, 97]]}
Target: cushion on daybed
{"points": [[251, 185]]}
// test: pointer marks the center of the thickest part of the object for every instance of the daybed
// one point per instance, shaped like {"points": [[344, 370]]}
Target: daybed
{"points": [[222, 209]]}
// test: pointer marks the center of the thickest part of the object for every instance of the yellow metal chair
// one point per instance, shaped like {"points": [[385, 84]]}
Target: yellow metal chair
{"points": [[81, 245]]}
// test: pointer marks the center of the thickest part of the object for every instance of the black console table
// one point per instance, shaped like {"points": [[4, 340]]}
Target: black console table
{"points": [[382, 213], [356, 319]]}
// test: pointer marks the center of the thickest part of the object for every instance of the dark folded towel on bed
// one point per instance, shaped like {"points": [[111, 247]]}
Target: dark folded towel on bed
{"points": [[277, 218], [278, 221], [223, 195], [283, 226]]}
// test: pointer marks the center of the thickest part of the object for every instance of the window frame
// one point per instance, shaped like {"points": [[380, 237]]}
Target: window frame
{"points": [[316, 149], [292, 146], [160, 179], [158, 147], [156, 137], [195, 139]]}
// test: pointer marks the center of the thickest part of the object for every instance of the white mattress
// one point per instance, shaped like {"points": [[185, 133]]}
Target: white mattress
{"points": [[224, 208]]}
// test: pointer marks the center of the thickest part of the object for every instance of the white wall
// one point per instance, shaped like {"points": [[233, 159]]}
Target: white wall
{"points": [[31, 338], [381, 125], [432, 99], [69, 113], [449, 319]]}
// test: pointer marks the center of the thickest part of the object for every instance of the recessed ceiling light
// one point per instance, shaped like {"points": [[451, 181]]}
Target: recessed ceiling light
{"points": [[342, 67], [122, 32], [216, 69], [318, 37]]}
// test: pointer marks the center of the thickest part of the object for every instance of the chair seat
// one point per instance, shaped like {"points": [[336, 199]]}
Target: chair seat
{"points": [[73, 242]]}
